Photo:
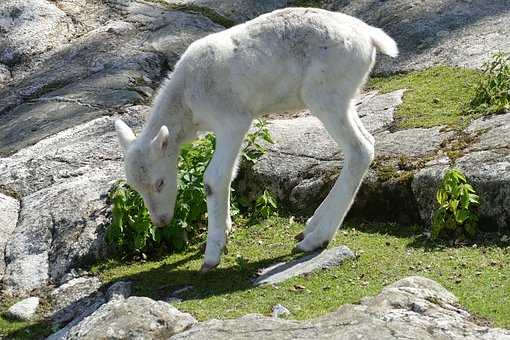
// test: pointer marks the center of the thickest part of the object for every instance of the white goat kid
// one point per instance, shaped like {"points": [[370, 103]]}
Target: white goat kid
{"points": [[286, 60]]}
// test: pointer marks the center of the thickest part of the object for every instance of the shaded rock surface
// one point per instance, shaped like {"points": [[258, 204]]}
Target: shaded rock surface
{"points": [[132, 318], [9, 208], [73, 298], [461, 33], [304, 265], [24, 310], [414, 307], [107, 67]]}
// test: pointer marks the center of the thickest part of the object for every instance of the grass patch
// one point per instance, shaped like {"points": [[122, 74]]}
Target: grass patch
{"points": [[435, 96], [10, 329], [478, 275]]}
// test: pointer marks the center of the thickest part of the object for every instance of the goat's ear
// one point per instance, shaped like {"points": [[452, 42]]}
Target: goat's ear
{"points": [[159, 144], [125, 134]]}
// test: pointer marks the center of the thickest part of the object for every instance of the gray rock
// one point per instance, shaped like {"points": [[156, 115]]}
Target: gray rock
{"points": [[5, 75], [119, 290], [71, 299], [64, 180], [24, 310], [107, 68], [486, 164], [33, 26], [461, 33], [8, 220], [132, 318], [239, 10], [414, 307], [59, 228], [304, 265], [303, 163]]}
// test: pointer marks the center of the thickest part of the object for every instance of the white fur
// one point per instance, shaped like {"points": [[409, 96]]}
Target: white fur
{"points": [[286, 60]]}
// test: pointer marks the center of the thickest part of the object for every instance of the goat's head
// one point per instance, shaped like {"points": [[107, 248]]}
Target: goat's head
{"points": [[151, 169]]}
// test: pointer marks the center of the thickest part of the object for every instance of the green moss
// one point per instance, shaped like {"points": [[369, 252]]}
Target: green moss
{"points": [[196, 9], [435, 96], [309, 3], [479, 276]]}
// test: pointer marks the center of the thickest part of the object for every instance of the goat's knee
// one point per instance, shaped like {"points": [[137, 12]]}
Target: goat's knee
{"points": [[359, 159]]}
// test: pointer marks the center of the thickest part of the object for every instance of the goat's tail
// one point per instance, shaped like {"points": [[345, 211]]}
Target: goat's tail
{"points": [[383, 42]]}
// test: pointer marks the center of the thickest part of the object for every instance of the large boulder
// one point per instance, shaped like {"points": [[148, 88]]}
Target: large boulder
{"points": [[461, 33], [60, 152], [64, 181], [8, 220], [34, 26], [412, 308], [132, 318], [304, 162], [486, 162], [106, 69]]}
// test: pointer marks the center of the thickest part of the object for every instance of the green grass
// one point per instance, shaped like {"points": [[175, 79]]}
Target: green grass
{"points": [[21, 330], [478, 275], [435, 96]]}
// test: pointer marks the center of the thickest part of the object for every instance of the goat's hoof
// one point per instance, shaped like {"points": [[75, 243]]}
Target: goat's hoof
{"points": [[324, 244], [206, 267], [299, 237]]}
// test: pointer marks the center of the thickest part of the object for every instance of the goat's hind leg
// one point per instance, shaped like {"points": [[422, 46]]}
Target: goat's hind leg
{"points": [[339, 118]]}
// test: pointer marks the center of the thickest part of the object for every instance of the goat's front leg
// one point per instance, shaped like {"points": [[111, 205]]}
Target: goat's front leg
{"points": [[217, 179]]}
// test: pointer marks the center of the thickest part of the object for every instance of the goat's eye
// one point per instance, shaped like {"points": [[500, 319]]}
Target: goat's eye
{"points": [[159, 185]]}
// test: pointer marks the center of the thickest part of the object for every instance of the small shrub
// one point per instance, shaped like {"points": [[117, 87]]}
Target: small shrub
{"points": [[131, 232], [493, 91], [455, 217], [254, 147], [266, 205]]}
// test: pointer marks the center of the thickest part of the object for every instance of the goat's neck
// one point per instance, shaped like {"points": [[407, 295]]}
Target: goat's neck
{"points": [[169, 110]]}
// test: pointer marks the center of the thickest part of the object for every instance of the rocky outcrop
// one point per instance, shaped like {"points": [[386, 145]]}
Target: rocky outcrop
{"points": [[414, 307], [64, 181], [303, 163], [69, 67], [486, 162], [461, 33], [96, 62], [8, 219], [108, 67], [132, 318]]}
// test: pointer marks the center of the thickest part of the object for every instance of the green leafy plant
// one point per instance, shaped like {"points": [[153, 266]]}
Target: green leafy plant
{"points": [[456, 216], [493, 91], [131, 231], [266, 205], [254, 142]]}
